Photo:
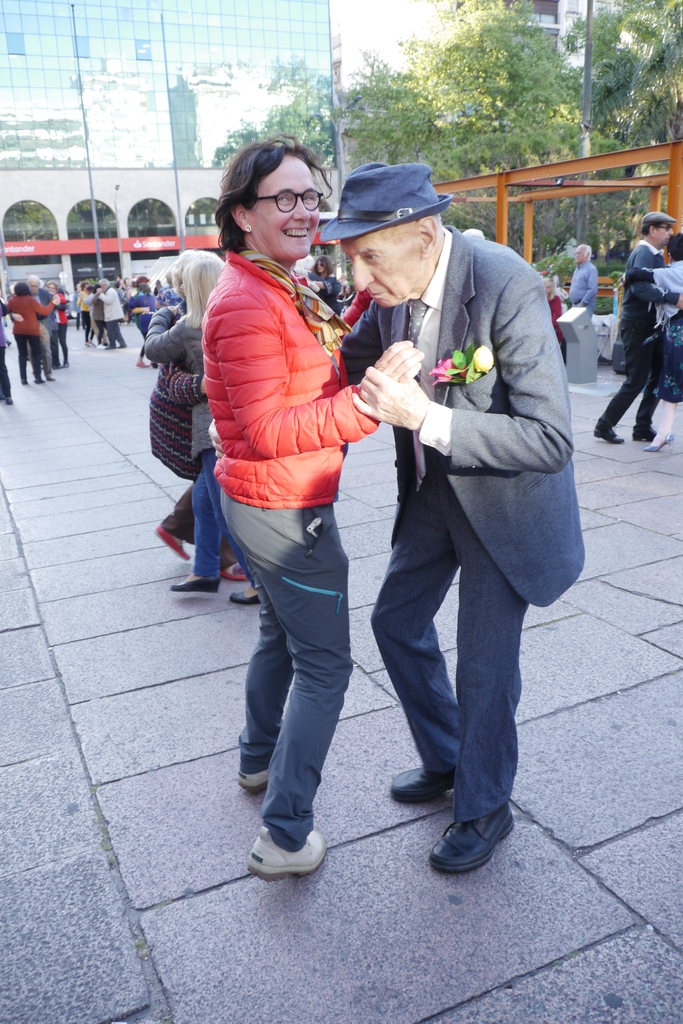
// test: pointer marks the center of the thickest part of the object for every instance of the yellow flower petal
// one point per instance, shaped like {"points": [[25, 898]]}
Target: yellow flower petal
{"points": [[482, 360]]}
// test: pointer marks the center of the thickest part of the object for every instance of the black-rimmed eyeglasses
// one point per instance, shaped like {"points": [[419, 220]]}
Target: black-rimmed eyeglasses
{"points": [[286, 200]]}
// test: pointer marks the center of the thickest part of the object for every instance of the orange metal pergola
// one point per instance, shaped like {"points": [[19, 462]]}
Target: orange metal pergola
{"points": [[542, 182]]}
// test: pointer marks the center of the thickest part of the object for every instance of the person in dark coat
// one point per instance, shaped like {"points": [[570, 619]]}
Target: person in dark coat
{"points": [[643, 346], [325, 283]]}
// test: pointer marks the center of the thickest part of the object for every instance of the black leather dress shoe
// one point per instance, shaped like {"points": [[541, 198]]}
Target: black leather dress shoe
{"points": [[243, 599], [204, 585], [607, 433], [420, 785], [644, 435], [470, 844]]}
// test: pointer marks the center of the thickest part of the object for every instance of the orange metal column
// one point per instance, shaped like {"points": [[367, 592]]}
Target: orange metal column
{"points": [[529, 231], [674, 203], [501, 208], [656, 199]]}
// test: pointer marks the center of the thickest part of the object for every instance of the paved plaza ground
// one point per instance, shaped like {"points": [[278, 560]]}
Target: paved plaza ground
{"points": [[124, 836]]}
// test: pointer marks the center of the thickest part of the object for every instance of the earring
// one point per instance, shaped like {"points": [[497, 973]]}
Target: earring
{"points": [[247, 227]]}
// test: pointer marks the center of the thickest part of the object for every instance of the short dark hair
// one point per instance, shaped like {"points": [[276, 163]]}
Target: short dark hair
{"points": [[675, 247], [326, 262], [239, 186], [22, 288], [144, 288], [645, 228]]}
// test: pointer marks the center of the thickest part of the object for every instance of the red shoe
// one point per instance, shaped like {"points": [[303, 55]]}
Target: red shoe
{"points": [[173, 543], [237, 574]]}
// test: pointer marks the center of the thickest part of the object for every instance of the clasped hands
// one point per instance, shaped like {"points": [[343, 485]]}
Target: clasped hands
{"points": [[389, 391]]}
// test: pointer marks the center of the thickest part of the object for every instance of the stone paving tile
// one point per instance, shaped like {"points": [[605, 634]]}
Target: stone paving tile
{"points": [[56, 440], [628, 452], [94, 545], [623, 546], [663, 515], [98, 614], [151, 466], [66, 950], [72, 487], [150, 815], [366, 576], [364, 649], [354, 513], [592, 772], [13, 575], [375, 495], [668, 462], [661, 580], [367, 539], [630, 979], [18, 477], [33, 721], [645, 869], [355, 476], [24, 657], [580, 658], [148, 729], [593, 520], [74, 523], [77, 455], [81, 502], [8, 547], [156, 654], [46, 812], [390, 938], [17, 609], [55, 584], [604, 494], [670, 638], [627, 611], [601, 469]]}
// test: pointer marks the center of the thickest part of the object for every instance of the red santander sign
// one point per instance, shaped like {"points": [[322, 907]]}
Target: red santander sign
{"points": [[75, 246]]}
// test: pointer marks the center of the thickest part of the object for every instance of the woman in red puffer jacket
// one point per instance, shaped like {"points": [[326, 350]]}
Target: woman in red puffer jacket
{"points": [[278, 394]]}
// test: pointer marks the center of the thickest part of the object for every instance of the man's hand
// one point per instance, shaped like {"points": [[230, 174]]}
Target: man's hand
{"points": [[215, 439], [400, 404], [202, 387], [680, 301], [401, 361], [17, 317]]}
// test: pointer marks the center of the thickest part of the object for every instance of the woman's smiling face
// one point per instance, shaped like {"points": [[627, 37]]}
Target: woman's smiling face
{"points": [[285, 237]]}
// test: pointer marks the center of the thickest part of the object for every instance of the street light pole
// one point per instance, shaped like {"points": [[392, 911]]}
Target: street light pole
{"points": [[100, 268], [585, 144], [175, 162], [118, 233]]}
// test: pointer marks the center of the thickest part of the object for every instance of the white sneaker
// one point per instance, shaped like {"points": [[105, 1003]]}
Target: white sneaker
{"points": [[253, 783], [271, 862]]}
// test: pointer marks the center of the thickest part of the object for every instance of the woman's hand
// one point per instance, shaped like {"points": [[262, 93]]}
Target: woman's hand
{"points": [[17, 317], [202, 387], [215, 439], [401, 361]]}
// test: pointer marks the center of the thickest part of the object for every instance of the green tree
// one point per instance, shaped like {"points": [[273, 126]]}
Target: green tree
{"points": [[306, 114], [638, 72], [488, 91]]}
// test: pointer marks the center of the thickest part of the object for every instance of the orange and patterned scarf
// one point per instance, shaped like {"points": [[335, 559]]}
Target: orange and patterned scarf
{"points": [[328, 328]]}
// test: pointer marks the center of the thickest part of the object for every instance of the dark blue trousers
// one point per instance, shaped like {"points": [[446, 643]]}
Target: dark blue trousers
{"points": [[475, 733]]}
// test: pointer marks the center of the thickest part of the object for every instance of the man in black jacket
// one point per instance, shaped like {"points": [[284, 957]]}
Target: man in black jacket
{"points": [[638, 317]]}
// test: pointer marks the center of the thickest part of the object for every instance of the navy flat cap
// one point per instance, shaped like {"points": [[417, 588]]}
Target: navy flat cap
{"points": [[377, 196]]}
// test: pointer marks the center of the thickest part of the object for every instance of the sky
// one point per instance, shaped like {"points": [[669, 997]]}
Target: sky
{"points": [[377, 25]]}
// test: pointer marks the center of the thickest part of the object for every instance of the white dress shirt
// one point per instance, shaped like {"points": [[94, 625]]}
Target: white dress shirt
{"points": [[436, 429]]}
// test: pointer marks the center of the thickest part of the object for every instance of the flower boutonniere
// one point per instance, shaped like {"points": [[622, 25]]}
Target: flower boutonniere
{"points": [[464, 367]]}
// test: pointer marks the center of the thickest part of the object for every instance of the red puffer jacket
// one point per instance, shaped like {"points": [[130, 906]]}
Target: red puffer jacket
{"points": [[280, 409]]}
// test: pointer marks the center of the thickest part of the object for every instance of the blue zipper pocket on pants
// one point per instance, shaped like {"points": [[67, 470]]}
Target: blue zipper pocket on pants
{"points": [[317, 590]]}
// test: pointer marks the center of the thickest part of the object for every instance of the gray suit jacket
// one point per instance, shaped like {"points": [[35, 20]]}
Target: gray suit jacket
{"points": [[510, 463]]}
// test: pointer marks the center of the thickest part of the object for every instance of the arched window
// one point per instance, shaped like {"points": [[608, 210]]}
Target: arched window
{"points": [[29, 220], [151, 217], [200, 219], [79, 220]]}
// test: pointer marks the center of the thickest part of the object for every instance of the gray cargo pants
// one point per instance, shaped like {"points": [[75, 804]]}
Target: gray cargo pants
{"points": [[302, 581]]}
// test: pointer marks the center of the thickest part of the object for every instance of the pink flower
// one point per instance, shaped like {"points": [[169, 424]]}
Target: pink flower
{"points": [[440, 371]]}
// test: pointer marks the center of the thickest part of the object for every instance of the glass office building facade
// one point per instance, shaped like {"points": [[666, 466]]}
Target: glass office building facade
{"points": [[206, 75]]}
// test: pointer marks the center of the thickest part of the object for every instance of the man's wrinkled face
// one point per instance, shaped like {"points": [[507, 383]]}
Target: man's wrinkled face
{"points": [[659, 235], [581, 255], [393, 264], [34, 285]]}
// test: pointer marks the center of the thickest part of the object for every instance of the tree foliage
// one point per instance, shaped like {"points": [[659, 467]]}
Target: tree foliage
{"points": [[306, 114], [488, 91]]}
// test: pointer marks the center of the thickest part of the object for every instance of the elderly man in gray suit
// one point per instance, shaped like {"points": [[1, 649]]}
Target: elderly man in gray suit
{"points": [[485, 482]]}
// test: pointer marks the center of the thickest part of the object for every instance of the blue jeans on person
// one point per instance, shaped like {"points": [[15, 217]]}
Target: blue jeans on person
{"points": [[209, 522]]}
